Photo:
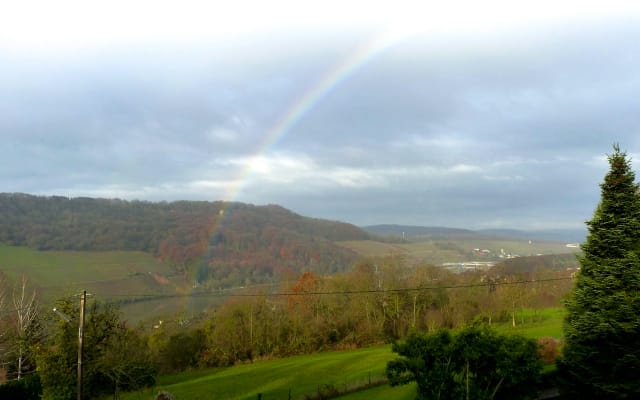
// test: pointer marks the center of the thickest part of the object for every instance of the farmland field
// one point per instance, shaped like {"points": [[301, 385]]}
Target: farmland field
{"points": [[107, 275]]}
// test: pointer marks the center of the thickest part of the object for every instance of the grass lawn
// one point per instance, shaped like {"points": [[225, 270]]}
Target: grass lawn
{"points": [[537, 323], [275, 379], [405, 392]]}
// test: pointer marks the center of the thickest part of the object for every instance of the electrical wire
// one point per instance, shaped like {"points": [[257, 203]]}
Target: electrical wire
{"points": [[333, 293], [225, 293]]}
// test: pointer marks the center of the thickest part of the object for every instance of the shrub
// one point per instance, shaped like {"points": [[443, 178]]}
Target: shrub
{"points": [[28, 388], [475, 362], [548, 349], [164, 395]]}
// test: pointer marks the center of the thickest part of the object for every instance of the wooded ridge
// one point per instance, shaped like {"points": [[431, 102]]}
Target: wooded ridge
{"points": [[222, 242]]}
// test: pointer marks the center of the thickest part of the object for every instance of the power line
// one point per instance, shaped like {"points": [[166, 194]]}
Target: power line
{"points": [[226, 292], [333, 293]]}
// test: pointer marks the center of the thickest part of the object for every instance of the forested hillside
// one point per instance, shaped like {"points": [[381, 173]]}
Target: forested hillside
{"points": [[223, 243]]}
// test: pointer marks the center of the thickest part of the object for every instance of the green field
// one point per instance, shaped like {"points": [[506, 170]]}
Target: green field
{"points": [[275, 379], [405, 392], [536, 323], [107, 275], [305, 375], [77, 268]]}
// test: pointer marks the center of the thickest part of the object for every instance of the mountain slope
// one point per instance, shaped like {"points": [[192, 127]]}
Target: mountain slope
{"points": [[226, 243]]}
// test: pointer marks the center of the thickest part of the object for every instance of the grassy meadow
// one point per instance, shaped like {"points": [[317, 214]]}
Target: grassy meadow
{"points": [[108, 275], [276, 379], [52, 269], [535, 323], [405, 392]]}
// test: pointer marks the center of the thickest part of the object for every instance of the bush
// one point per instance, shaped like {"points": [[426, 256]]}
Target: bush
{"points": [[27, 388], [548, 349], [182, 351], [164, 395], [475, 362]]}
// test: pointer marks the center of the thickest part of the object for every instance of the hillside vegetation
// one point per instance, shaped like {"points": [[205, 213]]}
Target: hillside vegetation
{"points": [[142, 254], [202, 277], [223, 244]]}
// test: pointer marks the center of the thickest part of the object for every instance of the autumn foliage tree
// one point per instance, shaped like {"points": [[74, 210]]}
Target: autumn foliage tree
{"points": [[602, 327]]}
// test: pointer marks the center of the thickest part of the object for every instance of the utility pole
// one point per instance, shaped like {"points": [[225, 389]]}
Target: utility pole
{"points": [[83, 300], [66, 318]]}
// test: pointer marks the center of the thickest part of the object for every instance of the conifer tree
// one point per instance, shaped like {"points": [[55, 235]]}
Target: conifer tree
{"points": [[602, 327]]}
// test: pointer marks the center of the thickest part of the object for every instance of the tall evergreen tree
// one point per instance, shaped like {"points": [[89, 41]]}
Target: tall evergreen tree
{"points": [[602, 327]]}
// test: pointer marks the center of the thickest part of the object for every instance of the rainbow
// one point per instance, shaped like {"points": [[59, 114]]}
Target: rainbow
{"points": [[333, 78], [362, 55], [302, 106], [292, 115]]}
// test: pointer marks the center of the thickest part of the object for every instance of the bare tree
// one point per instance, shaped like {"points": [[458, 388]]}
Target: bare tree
{"points": [[26, 312]]}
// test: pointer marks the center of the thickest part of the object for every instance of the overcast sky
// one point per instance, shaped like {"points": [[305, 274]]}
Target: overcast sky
{"points": [[496, 115]]}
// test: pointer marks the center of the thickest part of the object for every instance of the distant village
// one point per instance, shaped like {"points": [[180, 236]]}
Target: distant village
{"points": [[463, 266]]}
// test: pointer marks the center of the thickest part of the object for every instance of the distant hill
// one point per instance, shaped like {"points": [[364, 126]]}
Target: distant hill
{"points": [[563, 235], [222, 243], [420, 233]]}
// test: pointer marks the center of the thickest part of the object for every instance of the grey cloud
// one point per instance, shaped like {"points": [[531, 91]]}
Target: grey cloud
{"points": [[466, 132]]}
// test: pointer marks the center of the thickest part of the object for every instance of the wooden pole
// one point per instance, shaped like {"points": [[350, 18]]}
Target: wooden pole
{"points": [[83, 298]]}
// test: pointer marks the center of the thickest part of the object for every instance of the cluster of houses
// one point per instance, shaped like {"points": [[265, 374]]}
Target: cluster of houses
{"points": [[485, 252], [459, 267]]}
